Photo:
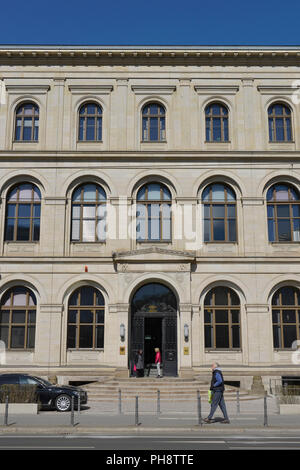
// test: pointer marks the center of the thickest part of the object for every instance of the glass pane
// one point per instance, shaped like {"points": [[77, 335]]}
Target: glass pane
{"points": [[271, 230], [27, 129], [87, 295], [288, 129], [71, 340], [23, 230], [218, 211], [276, 316], [283, 210], [74, 299], [207, 234], [9, 229], [218, 192], [289, 335], [99, 298], [235, 336], [31, 337], [208, 331], [217, 137], [270, 211], [75, 230], [86, 316], [222, 336], [31, 316], [4, 316], [88, 230], [19, 297], [86, 336], [235, 316], [99, 129], [208, 135], [219, 230], [281, 192], [72, 316], [221, 295], [276, 336], [296, 210], [221, 316], [296, 230], [289, 316], [101, 229], [100, 337], [153, 129], [231, 211], [284, 230], [25, 192], [225, 124], [4, 335], [287, 296], [89, 212], [207, 316], [99, 316], [154, 192], [232, 230], [24, 210], [76, 212], [89, 192], [18, 316], [17, 337]]}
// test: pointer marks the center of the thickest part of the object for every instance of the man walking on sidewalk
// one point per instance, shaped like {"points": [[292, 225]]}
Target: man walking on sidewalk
{"points": [[217, 387]]}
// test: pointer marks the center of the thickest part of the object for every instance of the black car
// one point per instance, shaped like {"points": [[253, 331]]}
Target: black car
{"points": [[58, 397]]}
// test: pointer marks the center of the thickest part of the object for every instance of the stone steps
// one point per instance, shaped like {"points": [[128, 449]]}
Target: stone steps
{"points": [[146, 388]]}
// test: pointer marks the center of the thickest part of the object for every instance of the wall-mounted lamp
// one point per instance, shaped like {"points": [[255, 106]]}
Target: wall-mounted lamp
{"points": [[186, 332], [122, 332]]}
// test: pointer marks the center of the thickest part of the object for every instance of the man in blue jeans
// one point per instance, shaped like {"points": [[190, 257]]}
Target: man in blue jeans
{"points": [[217, 387]]}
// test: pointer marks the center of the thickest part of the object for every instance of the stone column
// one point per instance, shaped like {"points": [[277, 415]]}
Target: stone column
{"points": [[254, 219], [119, 115], [48, 335], [248, 92], [53, 226], [185, 346], [116, 349], [259, 330], [54, 130]]}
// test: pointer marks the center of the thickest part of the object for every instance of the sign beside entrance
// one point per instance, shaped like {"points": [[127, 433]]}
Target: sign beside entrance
{"points": [[186, 351], [122, 350]]}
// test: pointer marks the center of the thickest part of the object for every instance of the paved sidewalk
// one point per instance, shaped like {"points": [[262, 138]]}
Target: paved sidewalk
{"points": [[174, 417]]}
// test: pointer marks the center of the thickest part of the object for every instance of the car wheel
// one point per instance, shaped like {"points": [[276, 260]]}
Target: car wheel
{"points": [[63, 403]]}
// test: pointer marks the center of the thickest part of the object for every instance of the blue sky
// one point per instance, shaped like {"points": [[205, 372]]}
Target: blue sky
{"points": [[151, 22]]}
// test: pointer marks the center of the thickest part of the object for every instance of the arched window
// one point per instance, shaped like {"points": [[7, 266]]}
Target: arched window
{"points": [[286, 316], [154, 213], [222, 319], [86, 319], [283, 205], [23, 212], [88, 213], [216, 123], [27, 123], [90, 122], [153, 123], [280, 124], [18, 318], [220, 219]]}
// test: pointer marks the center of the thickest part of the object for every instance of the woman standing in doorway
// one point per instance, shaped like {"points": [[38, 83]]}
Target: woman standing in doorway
{"points": [[157, 361], [139, 363]]}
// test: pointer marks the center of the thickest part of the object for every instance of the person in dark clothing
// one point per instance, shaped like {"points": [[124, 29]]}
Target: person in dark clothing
{"points": [[217, 387], [139, 363]]}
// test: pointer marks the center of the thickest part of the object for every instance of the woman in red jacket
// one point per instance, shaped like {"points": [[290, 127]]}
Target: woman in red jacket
{"points": [[157, 361]]}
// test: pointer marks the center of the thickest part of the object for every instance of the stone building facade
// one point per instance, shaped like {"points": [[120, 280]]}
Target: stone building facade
{"points": [[150, 197]]}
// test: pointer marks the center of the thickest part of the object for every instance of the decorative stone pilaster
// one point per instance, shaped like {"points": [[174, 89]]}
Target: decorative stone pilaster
{"points": [[259, 330], [117, 348], [48, 335], [185, 343]]}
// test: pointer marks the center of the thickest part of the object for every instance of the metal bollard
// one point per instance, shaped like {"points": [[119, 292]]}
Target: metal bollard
{"points": [[78, 406], [238, 402], [265, 411], [6, 412], [120, 402], [72, 411], [199, 408], [137, 411], [158, 402]]}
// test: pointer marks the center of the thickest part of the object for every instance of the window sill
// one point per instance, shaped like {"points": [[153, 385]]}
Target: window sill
{"points": [[85, 349], [25, 141], [155, 241], [21, 242], [238, 350]]}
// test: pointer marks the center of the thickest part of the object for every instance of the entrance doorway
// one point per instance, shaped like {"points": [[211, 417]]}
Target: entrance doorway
{"points": [[153, 338], [154, 325]]}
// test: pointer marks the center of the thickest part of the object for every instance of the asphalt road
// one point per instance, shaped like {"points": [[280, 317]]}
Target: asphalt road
{"points": [[150, 442]]}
